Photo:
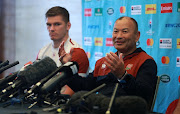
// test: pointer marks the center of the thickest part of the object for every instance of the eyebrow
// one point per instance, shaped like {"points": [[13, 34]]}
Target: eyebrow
{"points": [[121, 29]]}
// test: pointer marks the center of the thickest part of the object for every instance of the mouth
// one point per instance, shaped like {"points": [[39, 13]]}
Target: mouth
{"points": [[52, 35], [119, 42]]}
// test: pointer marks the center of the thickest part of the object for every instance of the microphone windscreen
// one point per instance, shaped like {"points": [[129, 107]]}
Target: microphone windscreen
{"points": [[38, 70]]}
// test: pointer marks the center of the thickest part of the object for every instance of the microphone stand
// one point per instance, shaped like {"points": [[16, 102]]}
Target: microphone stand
{"points": [[92, 91], [112, 99]]}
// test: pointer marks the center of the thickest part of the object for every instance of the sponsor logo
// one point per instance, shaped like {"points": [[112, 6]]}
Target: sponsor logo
{"points": [[136, 10], [178, 7], [98, 41], [166, 8], [178, 62], [93, 26], [88, 54], [165, 78], [178, 43], [150, 9], [165, 60], [98, 55], [110, 11], [109, 42], [88, 12], [88, 41], [150, 42], [165, 43], [122, 9], [174, 25], [98, 11], [179, 79]]}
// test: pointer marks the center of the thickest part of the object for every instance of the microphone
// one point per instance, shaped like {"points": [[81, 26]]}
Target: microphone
{"points": [[8, 78], [4, 63], [9, 66], [12, 76], [32, 74], [68, 70]]}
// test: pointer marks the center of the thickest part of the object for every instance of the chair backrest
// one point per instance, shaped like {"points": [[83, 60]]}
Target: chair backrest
{"points": [[155, 94]]}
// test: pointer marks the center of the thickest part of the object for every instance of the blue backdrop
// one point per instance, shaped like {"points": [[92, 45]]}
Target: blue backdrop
{"points": [[159, 24]]}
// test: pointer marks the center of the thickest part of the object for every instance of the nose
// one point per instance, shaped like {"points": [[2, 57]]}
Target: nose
{"points": [[51, 28], [119, 35]]}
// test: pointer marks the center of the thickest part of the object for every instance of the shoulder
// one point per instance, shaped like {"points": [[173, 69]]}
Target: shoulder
{"points": [[43, 49], [74, 43]]}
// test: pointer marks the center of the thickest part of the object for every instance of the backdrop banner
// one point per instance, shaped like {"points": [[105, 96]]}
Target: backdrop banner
{"points": [[159, 24]]}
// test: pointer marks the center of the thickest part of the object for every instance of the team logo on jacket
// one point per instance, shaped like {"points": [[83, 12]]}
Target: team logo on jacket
{"points": [[103, 66], [129, 66]]}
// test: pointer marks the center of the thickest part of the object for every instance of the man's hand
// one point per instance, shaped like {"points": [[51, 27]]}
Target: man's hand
{"points": [[116, 64], [63, 56]]}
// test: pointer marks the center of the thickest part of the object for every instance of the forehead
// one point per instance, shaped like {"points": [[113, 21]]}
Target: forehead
{"points": [[124, 23], [53, 19]]}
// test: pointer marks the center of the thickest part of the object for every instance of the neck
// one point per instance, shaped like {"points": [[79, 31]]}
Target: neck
{"points": [[56, 43], [126, 53]]}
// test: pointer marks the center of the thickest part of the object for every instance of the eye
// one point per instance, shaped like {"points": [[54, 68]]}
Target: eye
{"points": [[48, 25], [115, 31], [125, 31], [57, 24]]}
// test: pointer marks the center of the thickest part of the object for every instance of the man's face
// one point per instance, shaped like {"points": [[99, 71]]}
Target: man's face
{"points": [[57, 28], [124, 36]]}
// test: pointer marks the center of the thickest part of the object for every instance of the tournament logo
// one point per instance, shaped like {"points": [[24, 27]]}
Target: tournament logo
{"points": [[178, 7], [150, 32], [150, 9], [150, 23], [165, 43], [166, 8], [178, 62], [98, 41], [110, 11], [136, 10], [109, 42], [178, 43], [109, 28], [98, 11], [88, 12], [150, 42], [122, 9], [98, 55], [88, 41], [165, 78], [165, 60]]}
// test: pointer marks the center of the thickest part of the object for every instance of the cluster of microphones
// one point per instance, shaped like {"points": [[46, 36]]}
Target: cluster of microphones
{"points": [[37, 82]]}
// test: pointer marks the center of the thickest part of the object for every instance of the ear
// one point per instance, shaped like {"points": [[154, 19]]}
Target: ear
{"points": [[68, 25], [137, 36]]}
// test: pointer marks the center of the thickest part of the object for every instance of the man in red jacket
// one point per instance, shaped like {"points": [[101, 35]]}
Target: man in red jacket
{"points": [[131, 67]]}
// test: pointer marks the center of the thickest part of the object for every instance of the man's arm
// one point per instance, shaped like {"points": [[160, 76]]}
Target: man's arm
{"points": [[144, 83]]}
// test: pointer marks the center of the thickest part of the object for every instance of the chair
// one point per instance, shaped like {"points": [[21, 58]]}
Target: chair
{"points": [[155, 94]]}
